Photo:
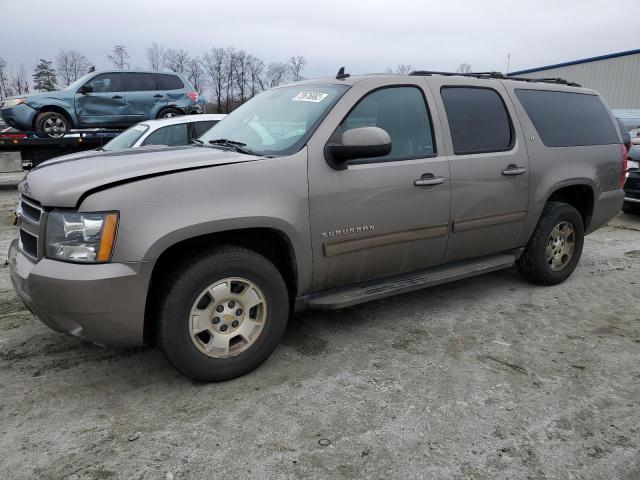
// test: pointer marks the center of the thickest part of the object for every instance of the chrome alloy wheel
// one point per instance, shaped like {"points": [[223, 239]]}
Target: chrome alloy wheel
{"points": [[227, 317], [560, 246], [55, 127], [169, 115]]}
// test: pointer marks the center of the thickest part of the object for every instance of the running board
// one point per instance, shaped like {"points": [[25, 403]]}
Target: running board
{"points": [[349, 295]]}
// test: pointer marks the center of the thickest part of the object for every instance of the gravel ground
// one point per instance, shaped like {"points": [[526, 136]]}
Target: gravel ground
{"points": [[484, 378]]}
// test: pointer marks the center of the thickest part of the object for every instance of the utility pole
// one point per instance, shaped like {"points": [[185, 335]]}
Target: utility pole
{"points": [[508, 61]]}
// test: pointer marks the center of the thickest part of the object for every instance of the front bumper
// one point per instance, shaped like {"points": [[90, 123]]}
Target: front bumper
{"points": [[19, 117], [102, 303]]}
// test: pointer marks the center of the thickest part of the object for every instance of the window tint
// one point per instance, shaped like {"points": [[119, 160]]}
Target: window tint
{"points": [[139, 82], [106, 82], [478, 120], [565, 119], [173, 135], [170, 82], [402, 113], [200, 128]]}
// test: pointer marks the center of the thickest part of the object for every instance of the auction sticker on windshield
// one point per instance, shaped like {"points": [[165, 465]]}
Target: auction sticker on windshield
{"points": [[310, 97]]}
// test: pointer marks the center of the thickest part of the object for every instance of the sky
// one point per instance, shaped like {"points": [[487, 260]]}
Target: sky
{"points": [[365, 35]]}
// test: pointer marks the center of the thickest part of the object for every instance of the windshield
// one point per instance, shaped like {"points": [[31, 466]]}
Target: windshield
{"points": [[78, 83], [127, 138], [277, 121]]}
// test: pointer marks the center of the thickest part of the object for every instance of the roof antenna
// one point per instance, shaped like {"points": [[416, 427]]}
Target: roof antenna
{"points": [[341, 75]]}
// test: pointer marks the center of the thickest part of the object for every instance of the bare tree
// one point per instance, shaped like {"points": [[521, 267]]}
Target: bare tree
{"points": [[214, 64], [464, 68], [230, 72], [296, 66], [71, 65], [176, 60], [241, 72], [5, 84], [119, 57], [196, 74], [404, 69], [256, 69], [20, 81], [155, 56], [276, 74]]}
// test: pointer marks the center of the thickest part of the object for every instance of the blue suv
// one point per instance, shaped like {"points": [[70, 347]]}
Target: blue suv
{"points": [[113, 99]]}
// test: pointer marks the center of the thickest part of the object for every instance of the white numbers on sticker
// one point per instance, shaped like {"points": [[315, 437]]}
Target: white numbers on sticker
{"points": [[314, 97]]}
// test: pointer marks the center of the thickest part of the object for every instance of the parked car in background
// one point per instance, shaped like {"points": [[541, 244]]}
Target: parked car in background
{"points": [[173, 132], [632, 185], [111, 99]]}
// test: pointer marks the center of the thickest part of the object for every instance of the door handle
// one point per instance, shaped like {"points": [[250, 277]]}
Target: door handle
{"points": [[117, 97], [513, 170], [428, 180], [157, 95]]}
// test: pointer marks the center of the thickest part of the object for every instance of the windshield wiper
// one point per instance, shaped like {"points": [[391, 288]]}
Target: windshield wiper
{"points": [[237, 146], [196, 141]]}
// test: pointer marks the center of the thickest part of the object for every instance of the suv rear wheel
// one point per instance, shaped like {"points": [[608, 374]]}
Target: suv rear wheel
{"points": [[169, 113], [52, 125], [222, 315], [555, 246]]}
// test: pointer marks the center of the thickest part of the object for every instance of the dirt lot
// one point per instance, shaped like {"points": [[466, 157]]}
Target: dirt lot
{"points": [[484, 378]]}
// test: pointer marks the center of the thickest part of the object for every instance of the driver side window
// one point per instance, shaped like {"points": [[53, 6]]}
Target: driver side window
{"points": [[402, 113], [105, 83]]}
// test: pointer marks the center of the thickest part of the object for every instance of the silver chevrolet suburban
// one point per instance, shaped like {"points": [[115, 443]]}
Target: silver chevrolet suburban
{"points": [[319, 194]]}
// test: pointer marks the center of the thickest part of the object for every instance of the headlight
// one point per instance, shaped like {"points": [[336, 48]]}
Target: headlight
{"points": [[80, 237], [12, 102]]}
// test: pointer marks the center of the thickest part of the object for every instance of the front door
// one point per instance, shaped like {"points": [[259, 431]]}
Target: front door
{"points": [[489, 167], [103, 104], [385, 215], [143, 97]]}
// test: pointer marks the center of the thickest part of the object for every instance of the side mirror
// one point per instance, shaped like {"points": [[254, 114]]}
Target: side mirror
{"points": [[363, 142], [86, 88]]}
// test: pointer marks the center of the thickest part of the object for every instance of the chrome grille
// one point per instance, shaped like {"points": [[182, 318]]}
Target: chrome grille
{"points": [[29, 210], [29, 216]]}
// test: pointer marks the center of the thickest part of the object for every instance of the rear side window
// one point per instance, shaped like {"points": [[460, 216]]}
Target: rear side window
{"points": [[170, 82], [478, 120], [173, 135], [199, 128], [566, 119], [139, 82]]}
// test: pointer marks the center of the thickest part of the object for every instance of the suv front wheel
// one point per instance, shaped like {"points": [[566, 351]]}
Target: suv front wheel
{"points": [[52, 125], [554, 249], [222, 315]]}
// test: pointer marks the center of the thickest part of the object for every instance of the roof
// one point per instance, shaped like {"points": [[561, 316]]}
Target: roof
{"points": [[576, 62]]}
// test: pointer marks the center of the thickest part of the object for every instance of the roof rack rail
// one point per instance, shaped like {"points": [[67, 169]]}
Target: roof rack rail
{"points": [[496, 75]]}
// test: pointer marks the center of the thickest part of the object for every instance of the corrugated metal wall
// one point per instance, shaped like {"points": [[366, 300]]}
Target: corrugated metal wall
{"points": [[617, 79]]}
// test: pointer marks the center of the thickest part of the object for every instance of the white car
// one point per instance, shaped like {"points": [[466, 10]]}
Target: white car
{"points": [[173, 132]]}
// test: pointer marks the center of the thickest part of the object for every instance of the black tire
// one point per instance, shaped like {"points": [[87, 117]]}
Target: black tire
{"points": [[185, 284], [169, 112], [533, 264], [52, 125], [631, 208]]}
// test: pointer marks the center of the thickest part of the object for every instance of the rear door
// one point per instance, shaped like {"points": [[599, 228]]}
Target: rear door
{"points": [[489, 167], [143, 96], [376, 218], [103, 105]]}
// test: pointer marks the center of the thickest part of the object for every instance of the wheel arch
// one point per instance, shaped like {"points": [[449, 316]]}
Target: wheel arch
{"points": [[579, 194], [53, 108], [272, 243]]}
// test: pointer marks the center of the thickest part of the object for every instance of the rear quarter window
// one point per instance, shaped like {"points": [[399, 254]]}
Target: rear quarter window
{"points": [[567, 119], [170, 82]]}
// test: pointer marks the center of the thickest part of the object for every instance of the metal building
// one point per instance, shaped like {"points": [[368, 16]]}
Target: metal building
{"points": [[616, 76]]}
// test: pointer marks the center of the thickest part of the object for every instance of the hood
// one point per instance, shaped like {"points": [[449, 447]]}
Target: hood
{"points": [[97, 153], [63, 183]]}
